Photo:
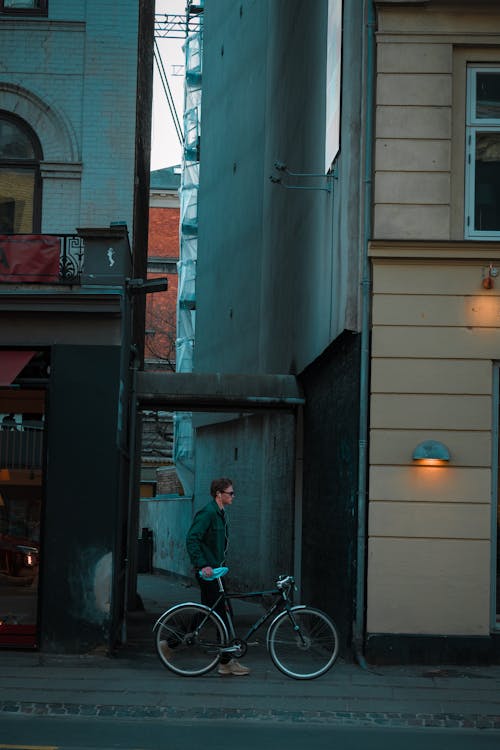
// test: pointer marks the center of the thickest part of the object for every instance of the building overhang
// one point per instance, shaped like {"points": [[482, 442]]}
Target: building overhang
{"points": [[218, 392]]}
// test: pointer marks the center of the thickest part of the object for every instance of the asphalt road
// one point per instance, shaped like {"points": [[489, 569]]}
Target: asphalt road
{"points": [[68, 733]]}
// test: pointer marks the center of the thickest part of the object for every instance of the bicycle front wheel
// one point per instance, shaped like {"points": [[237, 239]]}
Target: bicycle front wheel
{"points": [[303, 643], [188, 639]]}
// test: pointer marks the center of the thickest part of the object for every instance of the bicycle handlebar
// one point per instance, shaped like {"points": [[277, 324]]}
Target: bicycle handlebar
{"points": [[284, 582]]}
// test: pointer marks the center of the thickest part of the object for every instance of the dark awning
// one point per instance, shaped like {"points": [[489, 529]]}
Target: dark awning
{"points": [[11, 364]]}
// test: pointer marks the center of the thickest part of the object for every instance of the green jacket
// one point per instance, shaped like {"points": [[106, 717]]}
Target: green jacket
{"points": [[206, 540]]}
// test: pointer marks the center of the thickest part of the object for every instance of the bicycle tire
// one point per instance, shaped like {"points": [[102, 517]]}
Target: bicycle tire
{"points": [[188, 638], [306, 647]]}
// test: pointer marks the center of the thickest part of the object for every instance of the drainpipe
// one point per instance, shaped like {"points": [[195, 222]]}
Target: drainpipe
{"points": [[367, 117]]}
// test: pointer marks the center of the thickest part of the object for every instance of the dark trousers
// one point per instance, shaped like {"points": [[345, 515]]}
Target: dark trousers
{"points": [[209, 591]]}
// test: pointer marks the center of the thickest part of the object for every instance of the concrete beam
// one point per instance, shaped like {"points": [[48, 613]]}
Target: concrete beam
{"points": [[217, 392]]}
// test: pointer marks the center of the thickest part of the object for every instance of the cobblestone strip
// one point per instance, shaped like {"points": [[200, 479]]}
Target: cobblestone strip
{"points": [[358, 718]]}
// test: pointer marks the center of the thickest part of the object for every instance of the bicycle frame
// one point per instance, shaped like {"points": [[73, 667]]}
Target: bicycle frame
{"points": [[280, 597], [302, 641]]}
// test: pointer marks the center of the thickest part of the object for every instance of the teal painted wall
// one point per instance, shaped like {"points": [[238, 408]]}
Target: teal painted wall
{"points": [[278, 278]]}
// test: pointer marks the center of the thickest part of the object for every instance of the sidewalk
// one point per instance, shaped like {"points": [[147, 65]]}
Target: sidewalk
{"points": [[135, 685]]}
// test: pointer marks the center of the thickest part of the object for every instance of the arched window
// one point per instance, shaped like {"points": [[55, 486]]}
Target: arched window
{"points": [[20, 182]]}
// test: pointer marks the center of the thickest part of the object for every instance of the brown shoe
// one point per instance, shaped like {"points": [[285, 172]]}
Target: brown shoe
{"points": [[166, 651], [233, 667]]}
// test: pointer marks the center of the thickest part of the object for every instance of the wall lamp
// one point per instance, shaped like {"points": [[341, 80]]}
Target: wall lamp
{"points": [[431, 452]]}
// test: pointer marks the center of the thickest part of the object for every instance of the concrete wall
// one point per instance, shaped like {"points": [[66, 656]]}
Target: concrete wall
{"points": [[169, 518], [257, 453], [278, 270], [287, 260]]}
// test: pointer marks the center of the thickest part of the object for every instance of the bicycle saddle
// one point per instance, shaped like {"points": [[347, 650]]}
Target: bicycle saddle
{"points": [[217, 573]]}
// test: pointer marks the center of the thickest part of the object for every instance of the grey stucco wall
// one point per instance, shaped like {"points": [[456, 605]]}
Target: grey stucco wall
{"points": [[279, 272], [277, 276], [257, 453]]}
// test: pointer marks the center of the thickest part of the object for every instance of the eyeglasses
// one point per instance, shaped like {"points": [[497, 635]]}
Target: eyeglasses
{"points": [[227, 493]]}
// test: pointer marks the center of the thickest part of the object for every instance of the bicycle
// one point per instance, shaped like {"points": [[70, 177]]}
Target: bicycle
{"points": [[302, 641]]}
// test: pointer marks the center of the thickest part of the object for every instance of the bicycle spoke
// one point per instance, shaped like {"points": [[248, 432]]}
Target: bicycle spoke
{"points": [[188, 640], [305, 647]]}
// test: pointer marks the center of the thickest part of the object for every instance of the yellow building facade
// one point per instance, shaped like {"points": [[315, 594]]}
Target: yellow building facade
{"points": [[435, 255]]}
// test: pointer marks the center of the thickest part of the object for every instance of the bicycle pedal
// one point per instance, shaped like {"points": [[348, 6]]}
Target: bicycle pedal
{"points": [[253, 643]]}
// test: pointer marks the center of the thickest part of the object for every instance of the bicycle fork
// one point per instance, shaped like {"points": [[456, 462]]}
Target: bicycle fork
{"points": [[296, 626]]}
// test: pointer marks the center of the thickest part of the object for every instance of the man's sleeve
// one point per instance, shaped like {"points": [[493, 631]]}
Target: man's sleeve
{"points": [[195, 536]]}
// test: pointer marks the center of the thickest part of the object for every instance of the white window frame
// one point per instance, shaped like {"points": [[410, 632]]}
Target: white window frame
{"points": [[475, 125]]}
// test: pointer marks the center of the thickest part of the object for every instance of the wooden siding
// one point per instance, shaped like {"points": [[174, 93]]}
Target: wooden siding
{"points": [[428, 586], [420, 116], [435, 337], [436, 331]]}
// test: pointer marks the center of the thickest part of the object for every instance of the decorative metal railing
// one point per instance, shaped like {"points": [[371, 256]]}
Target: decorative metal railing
{"points": [[71, 258]]}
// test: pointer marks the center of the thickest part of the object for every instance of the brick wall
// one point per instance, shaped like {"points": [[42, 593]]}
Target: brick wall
{"points": [[163, 240], [161, 327]]}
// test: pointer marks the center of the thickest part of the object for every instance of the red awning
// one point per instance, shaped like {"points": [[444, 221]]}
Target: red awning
{"points": [[29, 258], [11, 364]]}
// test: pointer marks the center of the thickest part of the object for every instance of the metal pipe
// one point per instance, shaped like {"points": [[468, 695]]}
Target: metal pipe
{"points": [[367, 117]]}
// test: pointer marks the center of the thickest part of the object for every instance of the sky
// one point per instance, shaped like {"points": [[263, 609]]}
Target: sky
{"points": [[165, 147]]}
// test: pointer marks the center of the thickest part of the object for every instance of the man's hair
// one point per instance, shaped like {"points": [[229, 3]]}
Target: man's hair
{"points": [[219, 485]]}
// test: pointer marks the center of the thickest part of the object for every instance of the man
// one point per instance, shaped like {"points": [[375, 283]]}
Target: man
{"points": [[206, 543]]}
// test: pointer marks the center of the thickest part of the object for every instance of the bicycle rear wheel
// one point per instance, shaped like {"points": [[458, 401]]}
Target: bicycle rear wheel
{"points": [[303, 643], [188, 639]]}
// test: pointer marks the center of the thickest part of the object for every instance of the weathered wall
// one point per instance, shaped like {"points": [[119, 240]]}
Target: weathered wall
{"points": [[277, 275], [169, 519], [331, 387], [81, 527], [286, 274], [257, 453]]}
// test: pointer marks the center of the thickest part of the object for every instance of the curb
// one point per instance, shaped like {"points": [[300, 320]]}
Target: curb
{"points": [[345, 718]]}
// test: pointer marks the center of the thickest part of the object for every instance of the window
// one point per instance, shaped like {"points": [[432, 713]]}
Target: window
{"points": [[482, 174], [29, 7], [20, 183]]}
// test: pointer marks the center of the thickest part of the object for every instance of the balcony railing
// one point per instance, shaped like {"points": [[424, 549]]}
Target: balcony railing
{"points": [[99, 256], [21, 448]]}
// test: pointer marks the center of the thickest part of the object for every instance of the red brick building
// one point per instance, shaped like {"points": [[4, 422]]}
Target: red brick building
{"points": [[158, 475], [163, 254]]}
